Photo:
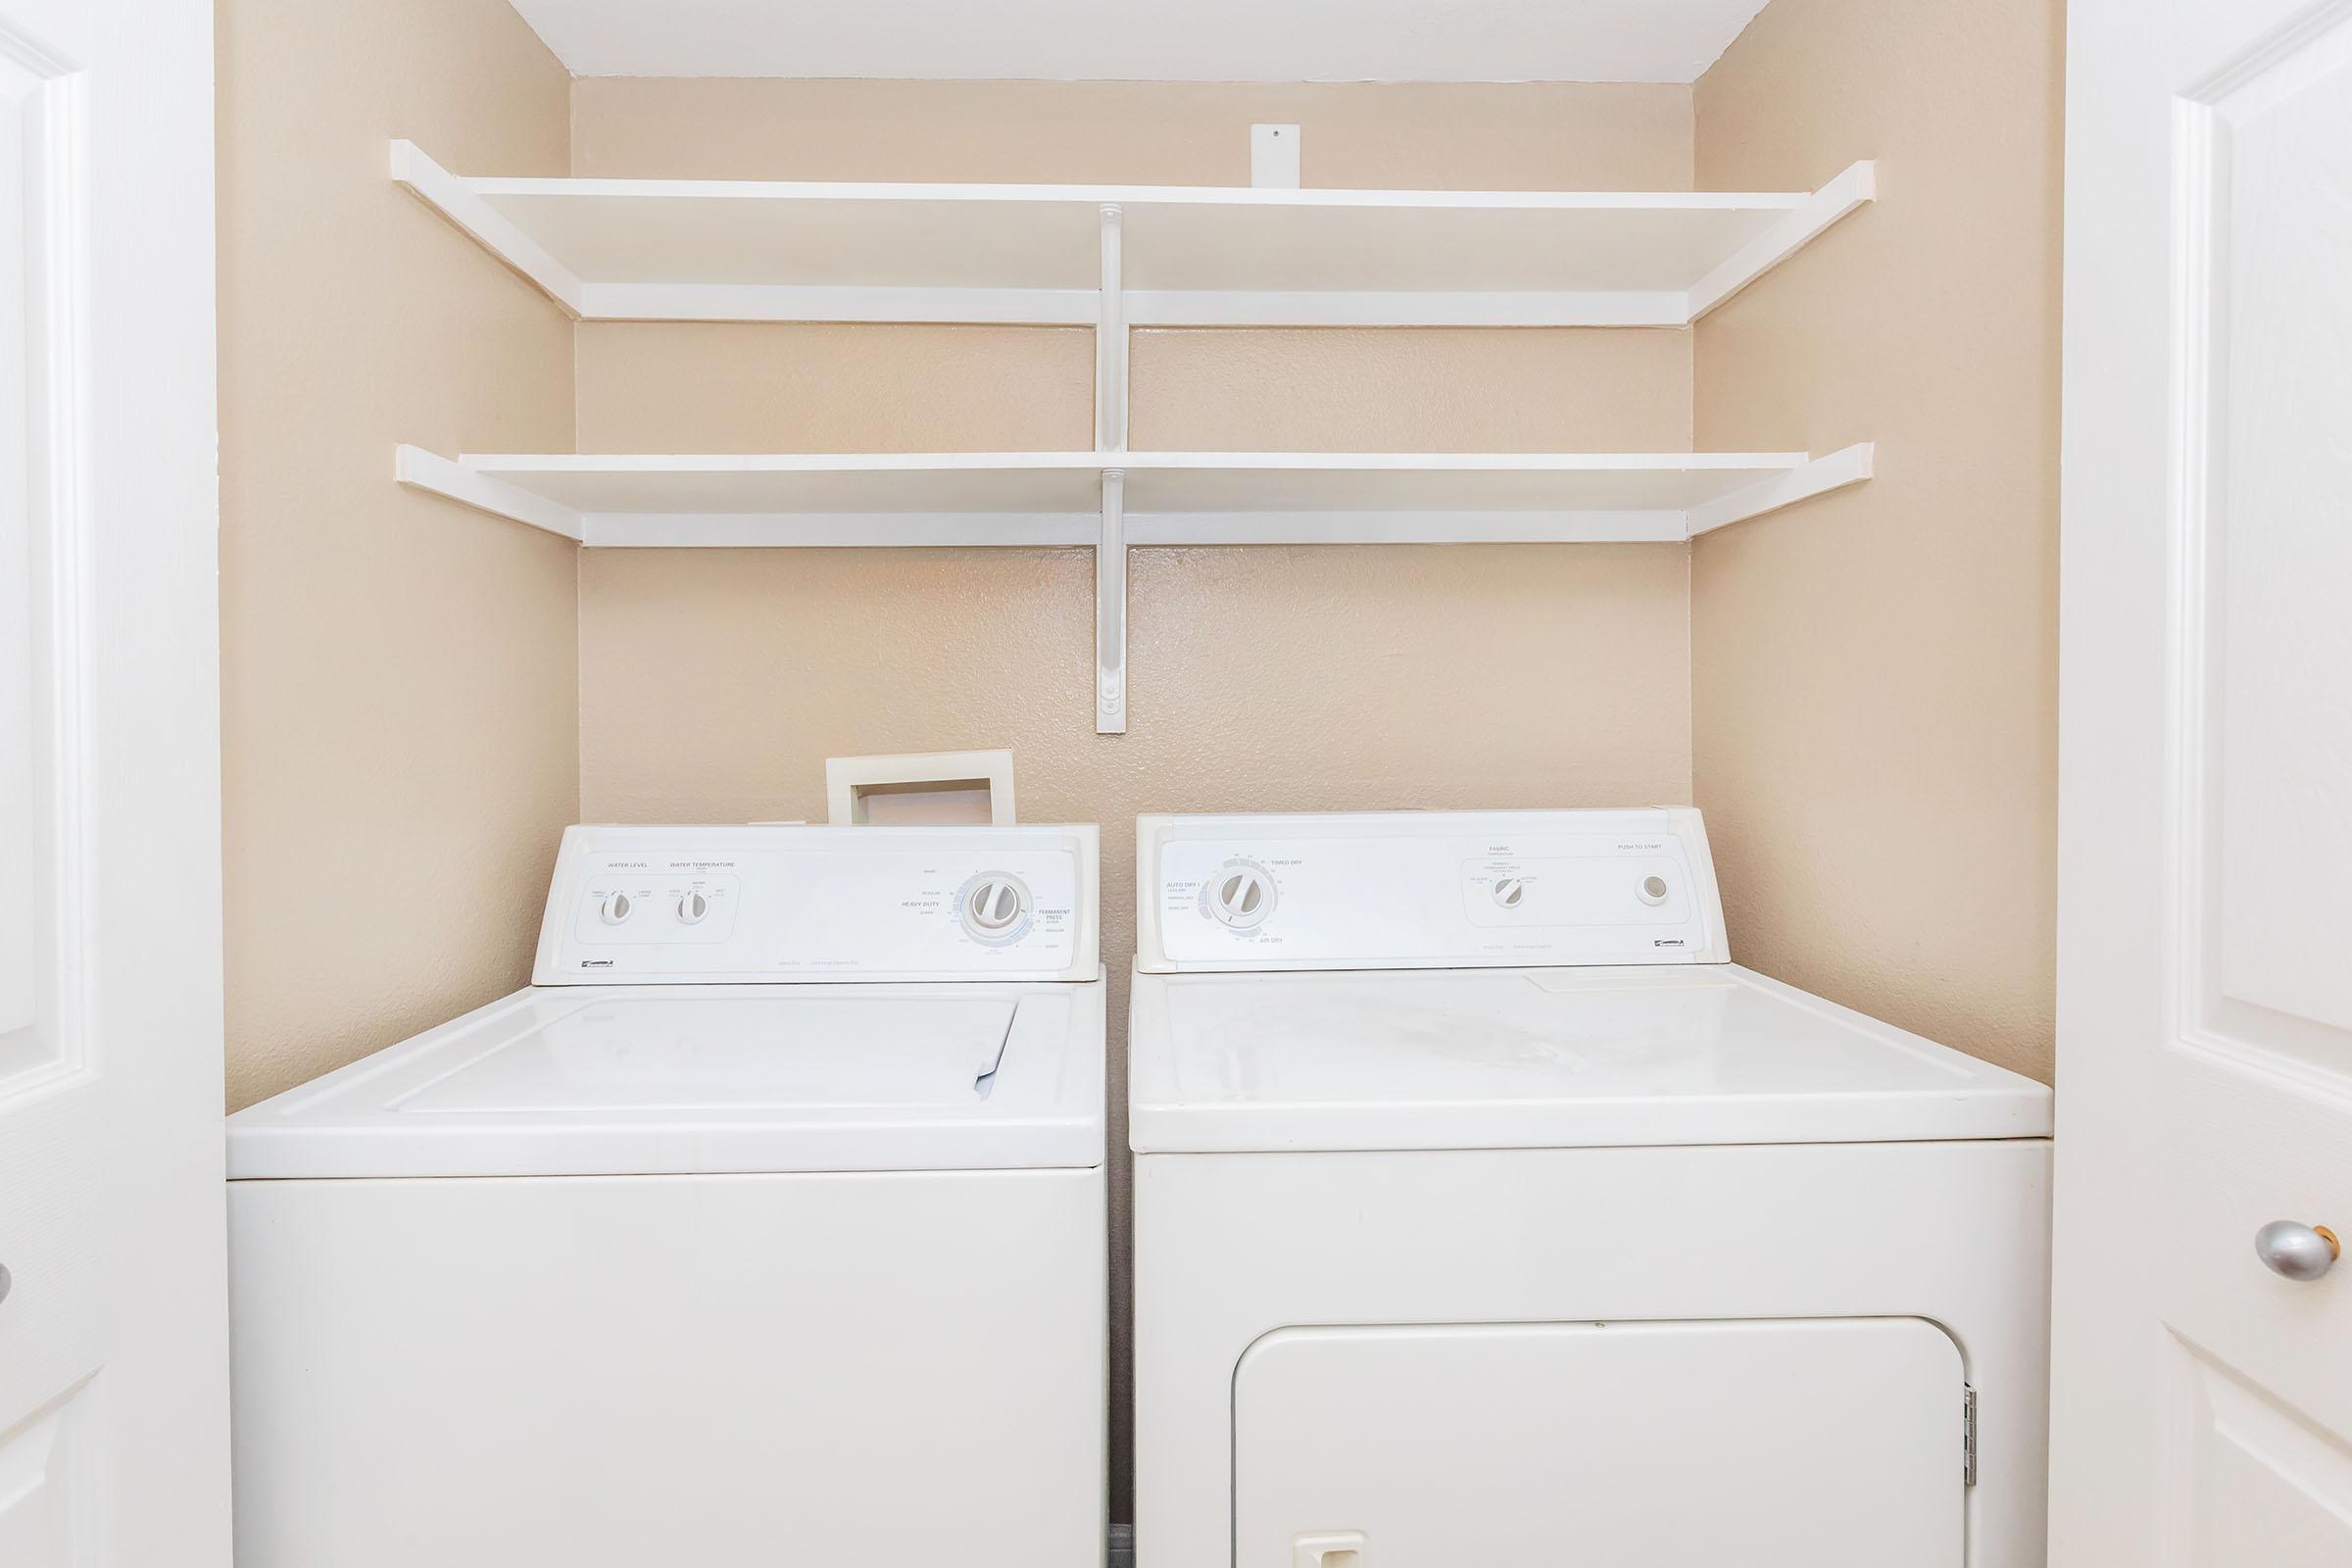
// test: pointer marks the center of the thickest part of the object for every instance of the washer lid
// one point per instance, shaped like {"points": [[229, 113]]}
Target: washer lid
{"points": [[1540, 1059], [654, 1080]]}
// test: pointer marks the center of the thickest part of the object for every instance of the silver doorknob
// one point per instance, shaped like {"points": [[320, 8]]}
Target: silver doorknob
{"points": [[2295, 1251]]}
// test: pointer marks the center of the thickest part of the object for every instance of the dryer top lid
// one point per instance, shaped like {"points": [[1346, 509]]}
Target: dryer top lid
{"points": [[1540, 1059]]}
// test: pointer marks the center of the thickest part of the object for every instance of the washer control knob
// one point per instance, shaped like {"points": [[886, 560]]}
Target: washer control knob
{"points": [[994, 906], [616, 908], [1242, 897], [692, 908], [1652, 890], [1511, 892]]}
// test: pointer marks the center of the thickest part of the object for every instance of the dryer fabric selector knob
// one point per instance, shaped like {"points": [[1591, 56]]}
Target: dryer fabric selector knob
{"points": [[1511, 892]]}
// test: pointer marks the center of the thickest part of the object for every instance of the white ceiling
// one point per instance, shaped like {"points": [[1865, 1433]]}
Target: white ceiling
{"points": [[1146, 40]]}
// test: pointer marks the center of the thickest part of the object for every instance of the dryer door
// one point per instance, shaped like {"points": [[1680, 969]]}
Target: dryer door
{"points": [[1813, 1444]]}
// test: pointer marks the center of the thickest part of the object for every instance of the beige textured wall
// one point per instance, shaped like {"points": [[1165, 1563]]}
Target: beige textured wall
{"points": [[398, 677], [1531, 136], [714, 683], [1874, 673]]}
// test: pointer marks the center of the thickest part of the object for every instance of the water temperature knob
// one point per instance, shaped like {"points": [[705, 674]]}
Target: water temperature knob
{"points": [[692, 908]]}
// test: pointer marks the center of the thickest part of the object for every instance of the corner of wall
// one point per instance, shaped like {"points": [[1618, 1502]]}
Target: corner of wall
{"points": [[1874, 677], [400, 677]]}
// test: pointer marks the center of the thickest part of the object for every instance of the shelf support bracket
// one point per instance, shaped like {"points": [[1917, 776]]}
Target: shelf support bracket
{"points": [[1111, 440], [1859, 183], [455, 199], [1110, 609], [1111, 344], [429, 470], [1819, 477]]}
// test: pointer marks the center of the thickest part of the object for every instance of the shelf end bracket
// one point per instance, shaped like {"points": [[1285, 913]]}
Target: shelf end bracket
{"points": [[1111, 440], [455, 199], [1854, 189], [1110, 609], [420, 470]]}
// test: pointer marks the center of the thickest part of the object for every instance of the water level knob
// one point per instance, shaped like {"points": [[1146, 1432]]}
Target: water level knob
{"points": [[614, 909]]}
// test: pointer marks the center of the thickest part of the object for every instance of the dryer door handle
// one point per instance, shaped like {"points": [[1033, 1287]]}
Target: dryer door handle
{"points": [[1329, 1548]]}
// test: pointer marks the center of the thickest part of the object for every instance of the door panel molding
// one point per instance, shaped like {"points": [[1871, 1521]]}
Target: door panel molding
{"points": [[2247, 1477], [2260, 722], [44, 524]]}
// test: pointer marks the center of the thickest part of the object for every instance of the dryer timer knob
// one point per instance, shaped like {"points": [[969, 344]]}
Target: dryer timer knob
{"points": [[1241, 896]]}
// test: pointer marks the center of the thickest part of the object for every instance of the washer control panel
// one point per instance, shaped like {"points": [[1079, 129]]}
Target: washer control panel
{"points": [[729, 905], [1426, 889]]}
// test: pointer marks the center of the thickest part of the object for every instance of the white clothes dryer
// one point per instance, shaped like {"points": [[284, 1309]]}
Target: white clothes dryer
{"points": [[1486, 1213], [765, 1226]]}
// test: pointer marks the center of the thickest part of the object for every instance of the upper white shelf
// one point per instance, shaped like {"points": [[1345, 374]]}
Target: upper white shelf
{"points": [[774, 251], [1163, 498]]}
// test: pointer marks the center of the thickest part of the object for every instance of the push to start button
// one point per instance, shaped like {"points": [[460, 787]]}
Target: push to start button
{"points": [[1653, 890]]}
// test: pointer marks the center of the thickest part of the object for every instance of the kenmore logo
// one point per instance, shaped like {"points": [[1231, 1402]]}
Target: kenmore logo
{"points": [[596, 963], [1666, 941]]}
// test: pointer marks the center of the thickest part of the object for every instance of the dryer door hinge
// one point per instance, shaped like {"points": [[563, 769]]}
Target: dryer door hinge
{"points": [[1968, 1436]]}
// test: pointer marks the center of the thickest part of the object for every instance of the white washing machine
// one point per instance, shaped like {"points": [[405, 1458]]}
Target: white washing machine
{"points": [[1486, 1213], [766, 1227]]}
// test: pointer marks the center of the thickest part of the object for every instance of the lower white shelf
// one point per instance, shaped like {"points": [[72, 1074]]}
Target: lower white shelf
{"points": [[1114, 501], [1170, 498]]}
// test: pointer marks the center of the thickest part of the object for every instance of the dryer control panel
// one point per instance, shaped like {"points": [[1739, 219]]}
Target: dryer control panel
{"points": [[729, 905], [1400, 890]]}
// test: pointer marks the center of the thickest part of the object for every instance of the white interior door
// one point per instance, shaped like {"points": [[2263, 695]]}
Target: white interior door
{"points": [[112, 1332], [2203, 1400]]}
